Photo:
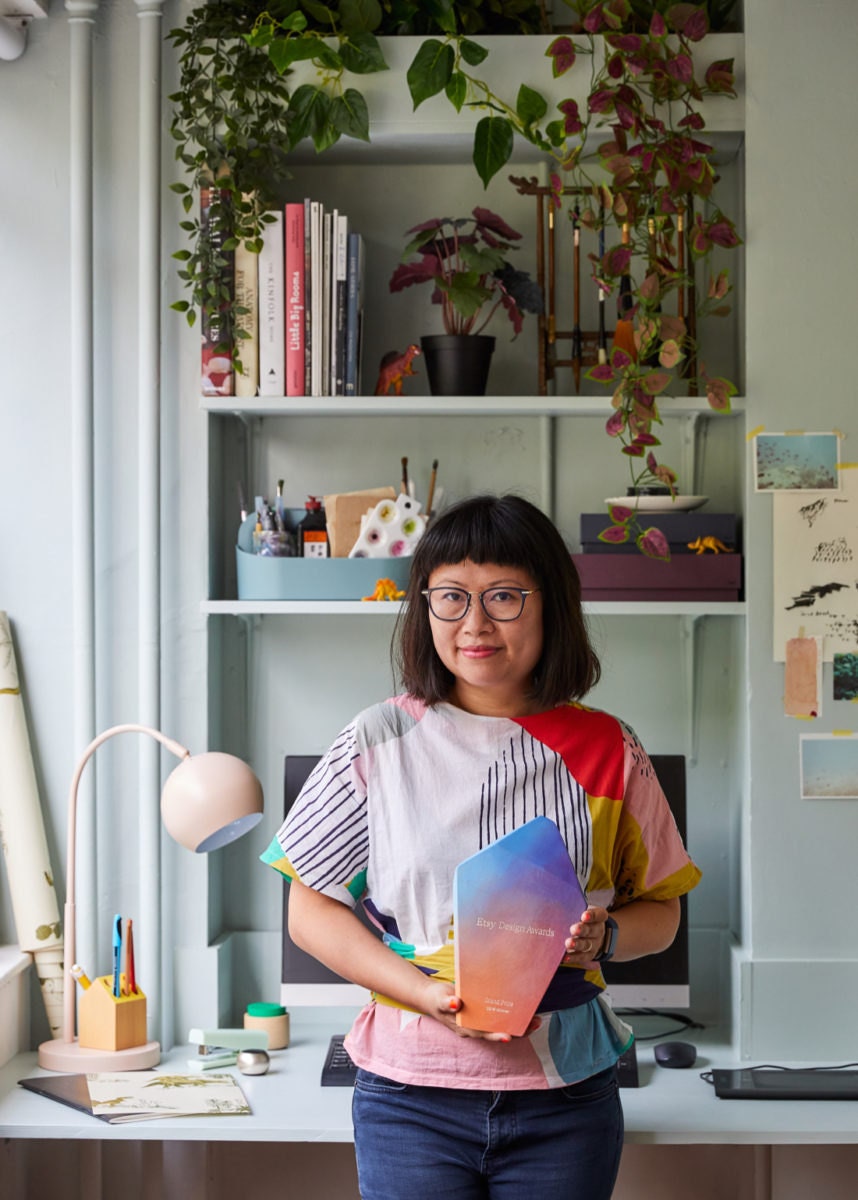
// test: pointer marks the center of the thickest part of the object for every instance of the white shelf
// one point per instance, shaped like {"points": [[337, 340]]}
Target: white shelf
{"points": [[447, 406], [390, 608]]}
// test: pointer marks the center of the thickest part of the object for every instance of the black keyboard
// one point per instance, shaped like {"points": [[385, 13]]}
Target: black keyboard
{"points": [[627, 1068], [338, 1070]]}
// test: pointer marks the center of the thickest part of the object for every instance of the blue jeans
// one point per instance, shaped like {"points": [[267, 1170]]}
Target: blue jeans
{"points": [[554, 1144]]}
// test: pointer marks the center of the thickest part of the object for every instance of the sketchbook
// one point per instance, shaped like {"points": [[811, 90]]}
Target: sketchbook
{"points": [[125, 1096], [513, 903]]}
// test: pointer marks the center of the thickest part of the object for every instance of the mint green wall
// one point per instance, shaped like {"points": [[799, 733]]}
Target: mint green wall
{"points": [[802, 889], [778, 870]]}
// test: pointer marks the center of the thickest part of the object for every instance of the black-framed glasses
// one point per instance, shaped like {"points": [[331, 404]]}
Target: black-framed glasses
{"points": [[499, 603]]}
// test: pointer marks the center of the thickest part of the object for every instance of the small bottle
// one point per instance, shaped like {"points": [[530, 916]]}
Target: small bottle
{"points": [[313, 531]]}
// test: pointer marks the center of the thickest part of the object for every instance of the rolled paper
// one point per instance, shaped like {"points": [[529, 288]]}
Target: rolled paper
{"points": [[25, 849]]}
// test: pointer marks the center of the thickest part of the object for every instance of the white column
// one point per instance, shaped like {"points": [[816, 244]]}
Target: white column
{"points": [[149, 511], [81, 16]]}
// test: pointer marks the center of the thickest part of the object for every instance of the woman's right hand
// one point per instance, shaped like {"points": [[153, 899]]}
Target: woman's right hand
{"points": [[442, 1003]]}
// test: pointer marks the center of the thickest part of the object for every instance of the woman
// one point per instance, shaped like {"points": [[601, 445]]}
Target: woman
{"points": [[489, 732]]}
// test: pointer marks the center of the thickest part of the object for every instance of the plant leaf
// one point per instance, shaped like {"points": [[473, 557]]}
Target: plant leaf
{"points": [[562, 55], [357, 16], [654, 382], [350, 115], [615, 535], [472, 52], [309, 109], [530, 105], [430, 70], [654, 544], [456, 90], [493, 141], [361, 54]]}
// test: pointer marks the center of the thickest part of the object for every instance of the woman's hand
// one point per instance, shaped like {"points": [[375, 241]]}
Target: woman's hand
{"points": [[442, 1003], [644, 927], [586, 937]]}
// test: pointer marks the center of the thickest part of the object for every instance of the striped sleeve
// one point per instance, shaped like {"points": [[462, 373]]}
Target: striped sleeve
{"points": [[324, 840]]}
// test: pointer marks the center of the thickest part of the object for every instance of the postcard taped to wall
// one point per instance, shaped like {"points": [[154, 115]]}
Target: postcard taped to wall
{"points": [[815, 584]]}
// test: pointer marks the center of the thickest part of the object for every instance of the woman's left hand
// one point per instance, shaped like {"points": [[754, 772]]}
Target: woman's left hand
{"points": [[587, 937]]}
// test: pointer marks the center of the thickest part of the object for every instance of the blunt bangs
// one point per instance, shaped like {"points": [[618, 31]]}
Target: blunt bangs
{"points": [[512, 532]]}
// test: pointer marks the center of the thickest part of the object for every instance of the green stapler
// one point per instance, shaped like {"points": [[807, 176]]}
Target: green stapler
{"points": [[220, 1047]]}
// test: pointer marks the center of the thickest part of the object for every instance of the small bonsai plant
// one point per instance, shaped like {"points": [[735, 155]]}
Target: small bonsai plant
{"points": [[465, 258]]}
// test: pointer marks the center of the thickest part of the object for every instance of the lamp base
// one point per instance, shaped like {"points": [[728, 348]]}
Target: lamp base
{"points": [[57, 1055]]}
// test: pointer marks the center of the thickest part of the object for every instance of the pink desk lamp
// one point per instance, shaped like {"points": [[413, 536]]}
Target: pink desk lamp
{"points": [[208, 801]]}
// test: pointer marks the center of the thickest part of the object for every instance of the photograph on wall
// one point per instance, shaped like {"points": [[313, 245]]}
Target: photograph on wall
{"points": [[815, 568], [829, 766], [797, 462], [846, 676], [803, 677]]}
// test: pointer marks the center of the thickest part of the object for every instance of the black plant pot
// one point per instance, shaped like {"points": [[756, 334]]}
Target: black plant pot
{"points": [[457, 364]]}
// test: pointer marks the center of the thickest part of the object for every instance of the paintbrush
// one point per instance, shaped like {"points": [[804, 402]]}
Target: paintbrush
{"points": [[577, 353], [430, 495], [624, 332], [603, 337]]}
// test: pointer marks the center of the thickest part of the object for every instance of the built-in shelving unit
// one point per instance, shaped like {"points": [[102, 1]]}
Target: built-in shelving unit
{"points": [[442, 406], [284, 673], [341, 608]]}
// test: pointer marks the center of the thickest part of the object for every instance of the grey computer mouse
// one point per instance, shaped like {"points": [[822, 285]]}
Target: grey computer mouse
{"points": [[675, 1054]]}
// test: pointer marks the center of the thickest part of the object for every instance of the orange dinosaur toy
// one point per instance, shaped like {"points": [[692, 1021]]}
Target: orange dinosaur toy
{"points": [[385, 589], [702, 544], [393, 368]]}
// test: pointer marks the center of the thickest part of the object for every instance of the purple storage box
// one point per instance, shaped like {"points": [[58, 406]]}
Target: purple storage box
{"points": [[679, 528], [635, 577]]}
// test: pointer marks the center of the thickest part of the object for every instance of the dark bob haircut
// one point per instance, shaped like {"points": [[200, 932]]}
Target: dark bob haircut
{"points": [[511, 532]]}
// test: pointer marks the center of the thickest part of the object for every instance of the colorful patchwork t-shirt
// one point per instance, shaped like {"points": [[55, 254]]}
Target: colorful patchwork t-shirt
{"points": [[407, 792]]}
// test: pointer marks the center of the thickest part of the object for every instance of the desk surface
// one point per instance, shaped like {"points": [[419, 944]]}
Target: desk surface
{"points": [[289, 1105]]}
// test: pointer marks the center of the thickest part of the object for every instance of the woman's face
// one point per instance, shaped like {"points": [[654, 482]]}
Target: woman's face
{"points": [[492, 661]]}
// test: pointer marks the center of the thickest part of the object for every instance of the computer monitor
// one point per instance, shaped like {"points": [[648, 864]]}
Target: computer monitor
{"points": [[657, 981]]}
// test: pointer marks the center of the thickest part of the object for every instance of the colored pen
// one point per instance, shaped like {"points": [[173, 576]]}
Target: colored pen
{"points": [[80, 975], [130, 981], [117, 947]]}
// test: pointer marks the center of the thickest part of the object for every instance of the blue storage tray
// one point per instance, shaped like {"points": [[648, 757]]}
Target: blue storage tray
{"points": [[262, 578]]}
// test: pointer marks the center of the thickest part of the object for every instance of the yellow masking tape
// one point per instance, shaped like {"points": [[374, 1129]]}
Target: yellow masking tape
{"points": [[749, 437]]}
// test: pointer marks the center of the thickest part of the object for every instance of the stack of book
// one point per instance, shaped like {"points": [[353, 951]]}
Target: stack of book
{"points": [[303, 296]]}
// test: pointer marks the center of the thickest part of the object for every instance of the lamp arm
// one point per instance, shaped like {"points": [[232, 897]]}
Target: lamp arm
{"points": [[174, 747]]}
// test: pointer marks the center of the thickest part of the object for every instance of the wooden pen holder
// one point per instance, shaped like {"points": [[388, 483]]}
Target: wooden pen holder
{"points": [[108, 1022]]}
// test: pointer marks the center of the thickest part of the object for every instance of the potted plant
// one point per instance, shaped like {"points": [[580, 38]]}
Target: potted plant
{"points": [[465, 260], [238, 113], [635, 146]]}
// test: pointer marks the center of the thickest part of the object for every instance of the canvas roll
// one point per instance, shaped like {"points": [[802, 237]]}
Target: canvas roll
{"points": [[25, 848]]}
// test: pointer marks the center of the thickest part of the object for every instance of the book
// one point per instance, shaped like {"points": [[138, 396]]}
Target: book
{"points": [[328, 219], [272, 358], [354, 315], [217, 375], [123, 1096], [308, 298], [294, 267], [316, 296], [339, 285], [513, 904], [247, 296]]}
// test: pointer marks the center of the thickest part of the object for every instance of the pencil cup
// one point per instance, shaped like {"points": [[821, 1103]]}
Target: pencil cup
{"points": [[274, 1019], [108, 1022]]}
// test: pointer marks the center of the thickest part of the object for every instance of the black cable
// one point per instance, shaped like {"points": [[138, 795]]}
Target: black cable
{"points": [[683, 1023]]}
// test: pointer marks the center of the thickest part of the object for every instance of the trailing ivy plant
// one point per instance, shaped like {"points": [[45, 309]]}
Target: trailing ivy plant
{"points": [[636, 149]]}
